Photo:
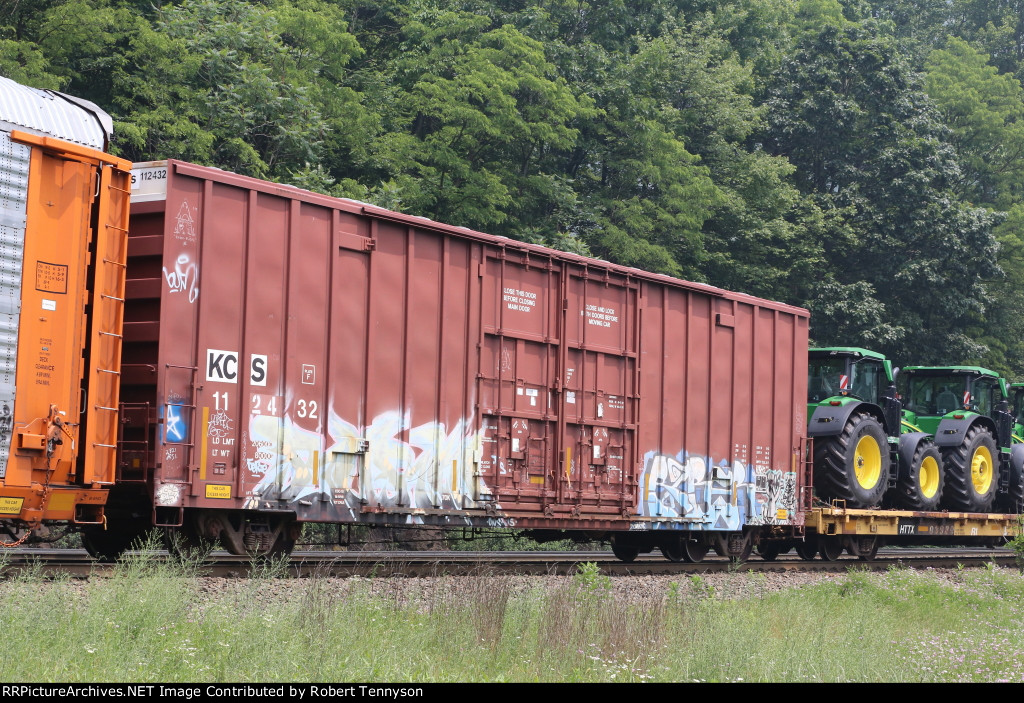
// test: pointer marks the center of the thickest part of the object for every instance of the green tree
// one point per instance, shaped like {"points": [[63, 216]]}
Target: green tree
{"points": [[218, 82], [853, 118], [470, 117]]}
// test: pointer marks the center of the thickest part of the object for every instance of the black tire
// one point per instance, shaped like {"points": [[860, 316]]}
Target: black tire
{"points": [[672, 548], [285, 544], [864, 548], [854, 465], [920, 485], [1013, 501], [744, 554], [625, 550], [971, 472], [737, 546]]}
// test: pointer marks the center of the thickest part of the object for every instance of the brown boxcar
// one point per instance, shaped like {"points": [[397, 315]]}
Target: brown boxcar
{"points": [[291, 356], [63, 232]]}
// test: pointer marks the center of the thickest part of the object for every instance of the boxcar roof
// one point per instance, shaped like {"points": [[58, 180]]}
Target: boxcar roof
{"points": [[372, 211]]}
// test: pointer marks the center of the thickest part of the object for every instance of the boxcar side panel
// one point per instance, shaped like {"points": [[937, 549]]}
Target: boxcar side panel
{"points": [[719, 422], [265, 351], [350, 364]]}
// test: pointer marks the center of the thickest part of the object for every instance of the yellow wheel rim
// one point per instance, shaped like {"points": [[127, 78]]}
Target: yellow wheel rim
{"points": [[867, 462], [929, 477], [981, 470]]}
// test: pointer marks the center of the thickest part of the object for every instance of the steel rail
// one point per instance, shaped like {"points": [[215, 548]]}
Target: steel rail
{"points": [[49, 563]]}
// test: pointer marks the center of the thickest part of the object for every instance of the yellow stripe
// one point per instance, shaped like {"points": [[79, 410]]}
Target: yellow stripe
{"points": [[202, 444], [915, 428], [316, 466], [455, 475], [568, 466]]}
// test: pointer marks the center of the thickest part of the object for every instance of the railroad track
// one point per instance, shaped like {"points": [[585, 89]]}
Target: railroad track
{"points": [[78, 564]]}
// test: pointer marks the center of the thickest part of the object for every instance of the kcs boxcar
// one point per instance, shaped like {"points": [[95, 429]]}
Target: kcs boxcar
{"points": [[291, 357]]}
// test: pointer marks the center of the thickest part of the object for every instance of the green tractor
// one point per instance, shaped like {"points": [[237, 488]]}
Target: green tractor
{"points": [[1017, 402], [854, 417], [966, 409]]}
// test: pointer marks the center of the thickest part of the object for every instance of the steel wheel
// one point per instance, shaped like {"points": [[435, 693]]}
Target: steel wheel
{"points": [[807, 549], [694, 551], [829, 547]]}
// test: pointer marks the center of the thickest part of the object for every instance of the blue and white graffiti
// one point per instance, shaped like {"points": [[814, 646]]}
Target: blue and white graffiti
{"points": [[712, 496]]}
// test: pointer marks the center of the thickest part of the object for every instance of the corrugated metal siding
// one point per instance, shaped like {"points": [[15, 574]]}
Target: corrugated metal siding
{"points": [[42, 112], [320, 357], [14, 162]]}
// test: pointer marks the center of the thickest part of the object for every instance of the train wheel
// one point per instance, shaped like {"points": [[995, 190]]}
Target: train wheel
{"points": [[829, 547], [743, 556], [285, 544], [735, 545], [108, 545], [770, 551], [624, 549], [185, 542], [854, 465], [971, 473], [864, 548], [807, 549], [672, 548], [694, 551], [920, 485]]}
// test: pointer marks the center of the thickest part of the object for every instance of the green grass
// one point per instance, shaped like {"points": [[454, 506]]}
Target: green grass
{"points": [[154, 622]]}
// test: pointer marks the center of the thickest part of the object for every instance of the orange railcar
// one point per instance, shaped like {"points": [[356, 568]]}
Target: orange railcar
{"points": [[63, 234]]}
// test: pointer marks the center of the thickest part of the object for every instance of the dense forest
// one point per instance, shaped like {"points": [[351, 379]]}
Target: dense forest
{"points": [[862, 158]]}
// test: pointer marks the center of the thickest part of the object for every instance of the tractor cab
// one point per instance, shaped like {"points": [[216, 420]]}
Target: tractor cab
{"points": [[850, 376], [847, 373], [931, 394], [1017, 408]]}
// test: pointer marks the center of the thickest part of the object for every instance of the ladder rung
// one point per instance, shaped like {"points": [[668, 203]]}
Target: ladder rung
{"points": [[116, 263], [108, 446], [122, 229], [110, 334], [116, 373], [111, 297], [104, 407], [119, 190]]}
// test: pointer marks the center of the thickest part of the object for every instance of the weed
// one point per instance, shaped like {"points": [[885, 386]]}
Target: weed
{"points": [[857, 582], [1017, 543], [700, 587], [591, 581], [266, 567]]}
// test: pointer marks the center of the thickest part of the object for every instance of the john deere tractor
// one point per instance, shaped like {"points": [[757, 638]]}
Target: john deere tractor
{"points": [[966, 409], [854, 418]]}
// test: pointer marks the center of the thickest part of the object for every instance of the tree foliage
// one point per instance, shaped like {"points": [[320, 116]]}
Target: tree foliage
{"points": [[863, 158]]}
